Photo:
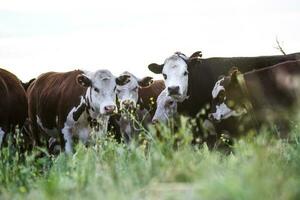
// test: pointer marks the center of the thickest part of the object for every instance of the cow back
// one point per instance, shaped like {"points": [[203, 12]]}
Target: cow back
{"points": [[13, 101]]}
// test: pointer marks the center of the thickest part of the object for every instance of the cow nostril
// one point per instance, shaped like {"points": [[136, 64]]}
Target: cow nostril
{"points": [[109, 109]]}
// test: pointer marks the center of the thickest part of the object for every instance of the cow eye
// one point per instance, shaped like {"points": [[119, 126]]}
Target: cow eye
{"points": [[96, 90], [165, 76], [185, 73]]}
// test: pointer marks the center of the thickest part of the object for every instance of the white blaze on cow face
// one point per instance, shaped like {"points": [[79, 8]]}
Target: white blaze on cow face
{"points": [[2, 133], [224, 112], [166, 107], [101, 92], [175, 72], [218, 88]]}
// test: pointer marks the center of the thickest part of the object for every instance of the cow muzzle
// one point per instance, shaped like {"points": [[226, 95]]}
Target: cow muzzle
{"points": [[173, 91], [109, 109], [128, 104]]}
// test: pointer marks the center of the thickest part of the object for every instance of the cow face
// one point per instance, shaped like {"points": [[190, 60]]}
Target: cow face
{"points": [[166, 108], [228, 99], [100, 92], [175, 73], [128, 87]]}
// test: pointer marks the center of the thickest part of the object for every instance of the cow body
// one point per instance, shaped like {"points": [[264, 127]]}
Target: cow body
{"points": [[63, 105], [13, 103], [194, 77], [268, 95]]}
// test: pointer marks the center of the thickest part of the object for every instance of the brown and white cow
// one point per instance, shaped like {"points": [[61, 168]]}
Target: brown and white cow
{"points": [[136, 99], [63, 105], [13, 104], [268, 95]]}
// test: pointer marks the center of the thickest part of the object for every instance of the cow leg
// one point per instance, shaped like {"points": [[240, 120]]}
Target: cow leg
{"points": [[68, 140], [2, 134]]}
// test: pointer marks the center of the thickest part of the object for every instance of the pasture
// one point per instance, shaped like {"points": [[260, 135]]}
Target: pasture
{"points": [[168, 167]]}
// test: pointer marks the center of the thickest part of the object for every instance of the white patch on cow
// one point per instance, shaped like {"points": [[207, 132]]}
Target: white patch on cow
{"points": [[51, 132], [217, 88], [176, 71], [224, 112], [2, 133]]}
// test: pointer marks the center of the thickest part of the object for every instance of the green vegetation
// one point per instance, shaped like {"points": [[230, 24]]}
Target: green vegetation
{"points": [[260, 167]]}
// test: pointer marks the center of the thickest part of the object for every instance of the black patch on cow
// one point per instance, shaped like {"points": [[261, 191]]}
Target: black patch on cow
{"points": [[79, 111]]}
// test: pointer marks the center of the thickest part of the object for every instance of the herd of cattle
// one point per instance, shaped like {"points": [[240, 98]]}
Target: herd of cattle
{"points": [[56, 108]]}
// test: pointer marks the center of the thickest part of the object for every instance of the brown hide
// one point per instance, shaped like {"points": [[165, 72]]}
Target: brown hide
{"points": [[13, 102], [51, 97]]}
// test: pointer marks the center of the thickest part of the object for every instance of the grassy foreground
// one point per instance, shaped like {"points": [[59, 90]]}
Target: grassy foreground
{"points": [[260, 168]]}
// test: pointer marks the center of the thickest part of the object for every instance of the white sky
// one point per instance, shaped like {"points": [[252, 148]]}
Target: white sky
{"points": [[39, 36]]}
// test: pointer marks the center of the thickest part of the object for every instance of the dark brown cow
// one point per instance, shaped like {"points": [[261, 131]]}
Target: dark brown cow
{"points": [[13, 103], [62, 105], [262, 96]]}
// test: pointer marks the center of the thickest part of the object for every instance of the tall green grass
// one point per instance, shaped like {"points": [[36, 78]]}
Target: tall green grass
{"points": [[164, 167]]}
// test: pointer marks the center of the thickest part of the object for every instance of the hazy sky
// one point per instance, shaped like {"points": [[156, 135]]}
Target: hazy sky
{"points": [[37, 37]]}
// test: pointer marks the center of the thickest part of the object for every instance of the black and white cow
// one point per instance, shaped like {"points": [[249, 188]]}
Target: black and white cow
{"points": [[195, 77]]}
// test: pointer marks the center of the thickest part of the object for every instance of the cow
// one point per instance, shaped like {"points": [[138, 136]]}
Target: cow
{"points": [[65, 105], [136, 98], [13, 104], [166, 108], [264, 96], [191, 79]]}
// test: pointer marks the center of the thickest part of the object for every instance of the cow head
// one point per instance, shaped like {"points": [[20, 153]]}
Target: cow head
{"points": [[175, 72], [228, 98], [100, 93], [166, 108], [128, 87]]}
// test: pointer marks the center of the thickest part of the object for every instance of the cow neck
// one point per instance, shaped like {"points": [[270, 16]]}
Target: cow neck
{"points": [[88, 109], [245, 92]]}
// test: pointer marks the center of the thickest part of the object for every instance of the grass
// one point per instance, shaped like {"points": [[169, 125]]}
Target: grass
{"points": [[261, 167]]}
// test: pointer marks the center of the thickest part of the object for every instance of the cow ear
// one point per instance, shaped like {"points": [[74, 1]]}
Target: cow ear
{"points": [[155, 68], [83, 80], [232, 70], [123, 79], [146, 81], [196, 56]]}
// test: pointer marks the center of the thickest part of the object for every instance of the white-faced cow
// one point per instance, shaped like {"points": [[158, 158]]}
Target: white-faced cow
{"points": [[268, 95], [166, 108], [195, 77], [63, 105], [136, 99], [13, 104]]}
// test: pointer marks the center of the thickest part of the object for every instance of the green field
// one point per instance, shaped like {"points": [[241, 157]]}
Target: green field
{"points": [[260, 167]]}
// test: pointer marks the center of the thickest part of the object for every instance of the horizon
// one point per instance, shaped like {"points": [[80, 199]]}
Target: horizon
{"points": [[36, 37]]}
